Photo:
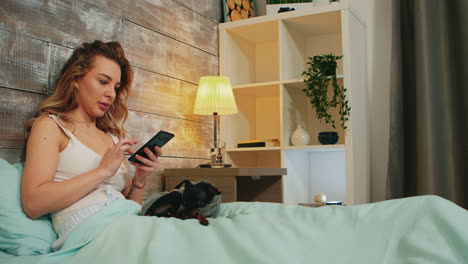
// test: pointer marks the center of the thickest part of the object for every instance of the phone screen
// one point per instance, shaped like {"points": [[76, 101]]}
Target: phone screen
{"points": [[160, 139]]}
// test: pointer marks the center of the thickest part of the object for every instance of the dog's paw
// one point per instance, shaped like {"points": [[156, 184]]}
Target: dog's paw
{"points": [[202, 219], [204, 222]]}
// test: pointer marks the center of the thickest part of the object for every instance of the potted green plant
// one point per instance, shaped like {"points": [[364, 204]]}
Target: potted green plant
{"points": [[320, 76]]}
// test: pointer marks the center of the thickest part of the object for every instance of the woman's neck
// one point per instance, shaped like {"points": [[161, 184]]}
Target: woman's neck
{"points": [[82, 119]]}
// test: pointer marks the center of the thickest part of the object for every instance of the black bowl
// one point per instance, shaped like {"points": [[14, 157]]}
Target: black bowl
{"points": [[328, 138]]}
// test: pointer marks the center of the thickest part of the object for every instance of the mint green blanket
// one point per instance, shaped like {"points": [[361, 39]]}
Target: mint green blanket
{"points": [[424, 229]]}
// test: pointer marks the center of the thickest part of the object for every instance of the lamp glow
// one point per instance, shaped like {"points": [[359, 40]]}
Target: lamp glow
{"points": [[215, 97]]}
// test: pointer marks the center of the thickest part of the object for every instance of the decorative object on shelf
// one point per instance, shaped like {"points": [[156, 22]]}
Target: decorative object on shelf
{"points": [[334, 1], [279, 6], [273, 2], [238, 9], [320, 199], [273, 142], [285, 9], [320, 72], [300, 137], [328, 138], [320, 205], [335, 203], [215, 97]]}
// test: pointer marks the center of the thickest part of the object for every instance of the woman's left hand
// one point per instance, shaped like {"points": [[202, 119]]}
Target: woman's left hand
{"points": [[146, 166]]}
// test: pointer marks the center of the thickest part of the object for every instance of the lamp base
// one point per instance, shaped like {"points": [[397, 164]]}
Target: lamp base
{"points": [[216, 156], [208, 165]]}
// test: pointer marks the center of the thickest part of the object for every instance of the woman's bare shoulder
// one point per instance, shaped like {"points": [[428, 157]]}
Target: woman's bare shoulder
{"points": [[44, 125], [46, 122]]}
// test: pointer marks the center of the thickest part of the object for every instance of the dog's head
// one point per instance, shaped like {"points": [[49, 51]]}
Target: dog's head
{"points": [[197, 196]]}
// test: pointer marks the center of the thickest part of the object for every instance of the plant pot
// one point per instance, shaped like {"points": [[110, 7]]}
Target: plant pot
{"points": [[329, 69], [328, 138]]}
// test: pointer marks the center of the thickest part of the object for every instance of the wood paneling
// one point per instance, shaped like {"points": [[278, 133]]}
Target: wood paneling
{"points": [[58, 56], [16, 107], [195, 29], [24, 62], [170, 44], [212, 9], [155, 52], [118, 7], [64, 22], [156, 93], [192, 139], [185, 25], [30, 64]]}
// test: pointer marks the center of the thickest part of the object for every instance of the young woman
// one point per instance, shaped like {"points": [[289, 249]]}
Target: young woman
{"points": [[76, 145]]}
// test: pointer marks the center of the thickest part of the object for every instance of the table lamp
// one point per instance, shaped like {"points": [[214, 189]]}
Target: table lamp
{"points": [[215, 97]]}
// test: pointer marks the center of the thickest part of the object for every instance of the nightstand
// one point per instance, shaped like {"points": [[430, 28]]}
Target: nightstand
{"points": [[235, 184]]}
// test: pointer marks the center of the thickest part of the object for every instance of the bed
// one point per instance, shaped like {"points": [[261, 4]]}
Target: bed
{"points": [[423, 229]]}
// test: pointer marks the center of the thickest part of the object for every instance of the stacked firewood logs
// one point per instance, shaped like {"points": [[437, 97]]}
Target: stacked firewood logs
{"points": [[239, 9]]}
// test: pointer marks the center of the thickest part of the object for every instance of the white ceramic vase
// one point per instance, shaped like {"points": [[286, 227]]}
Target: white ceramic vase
{"points": [[300, 137]]}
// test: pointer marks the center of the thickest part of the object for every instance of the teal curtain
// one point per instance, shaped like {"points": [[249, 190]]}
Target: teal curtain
{"points": [[428, 147]]}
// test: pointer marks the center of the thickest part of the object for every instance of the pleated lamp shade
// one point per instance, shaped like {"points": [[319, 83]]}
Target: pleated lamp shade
{"points": [[215, 95]]}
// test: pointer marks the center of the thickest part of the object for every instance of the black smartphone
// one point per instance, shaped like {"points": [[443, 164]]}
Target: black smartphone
{"points": [[160, 139]]}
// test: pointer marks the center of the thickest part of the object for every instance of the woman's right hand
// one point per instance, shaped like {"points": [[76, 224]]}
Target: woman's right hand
{"points": [[112, 159]]}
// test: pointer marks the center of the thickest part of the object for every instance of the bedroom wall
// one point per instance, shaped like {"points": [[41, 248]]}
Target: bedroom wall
{"points": [[170, 44], [378, 15]]}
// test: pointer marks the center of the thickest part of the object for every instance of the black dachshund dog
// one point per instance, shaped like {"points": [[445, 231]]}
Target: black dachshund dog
{"points": [[186, 203]]}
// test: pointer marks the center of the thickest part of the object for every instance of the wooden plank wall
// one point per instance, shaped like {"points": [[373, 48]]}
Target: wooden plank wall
{"points": [[170, 44]]}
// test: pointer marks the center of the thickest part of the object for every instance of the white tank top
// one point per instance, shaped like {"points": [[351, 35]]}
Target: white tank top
{"points": [[77, 159]]}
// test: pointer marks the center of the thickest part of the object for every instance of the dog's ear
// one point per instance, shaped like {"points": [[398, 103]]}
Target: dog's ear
{"points": [[213, 189], [186, 182]]}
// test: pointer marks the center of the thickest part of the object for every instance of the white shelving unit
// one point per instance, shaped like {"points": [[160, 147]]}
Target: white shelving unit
{"points": [[264, 58]]}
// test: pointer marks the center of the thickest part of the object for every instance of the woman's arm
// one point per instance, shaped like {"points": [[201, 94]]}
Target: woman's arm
{"points": [[133, 191], [39, 193], [137, 191], [142, 170]]}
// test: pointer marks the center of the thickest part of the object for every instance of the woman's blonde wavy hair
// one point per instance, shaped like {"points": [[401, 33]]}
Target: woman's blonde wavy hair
{"points": [[63, 100]]}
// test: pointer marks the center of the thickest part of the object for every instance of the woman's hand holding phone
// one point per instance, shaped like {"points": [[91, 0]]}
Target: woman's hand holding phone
{"points": [[147, 165], [146, 159]]}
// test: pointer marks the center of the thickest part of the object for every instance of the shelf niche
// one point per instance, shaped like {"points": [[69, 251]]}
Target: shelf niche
{"points": [[259, 114], [297, 110], [252, 53], [325, 173], [307, 36]]}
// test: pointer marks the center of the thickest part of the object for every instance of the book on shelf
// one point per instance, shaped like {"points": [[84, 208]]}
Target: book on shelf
{"points": [[259, 143]]}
